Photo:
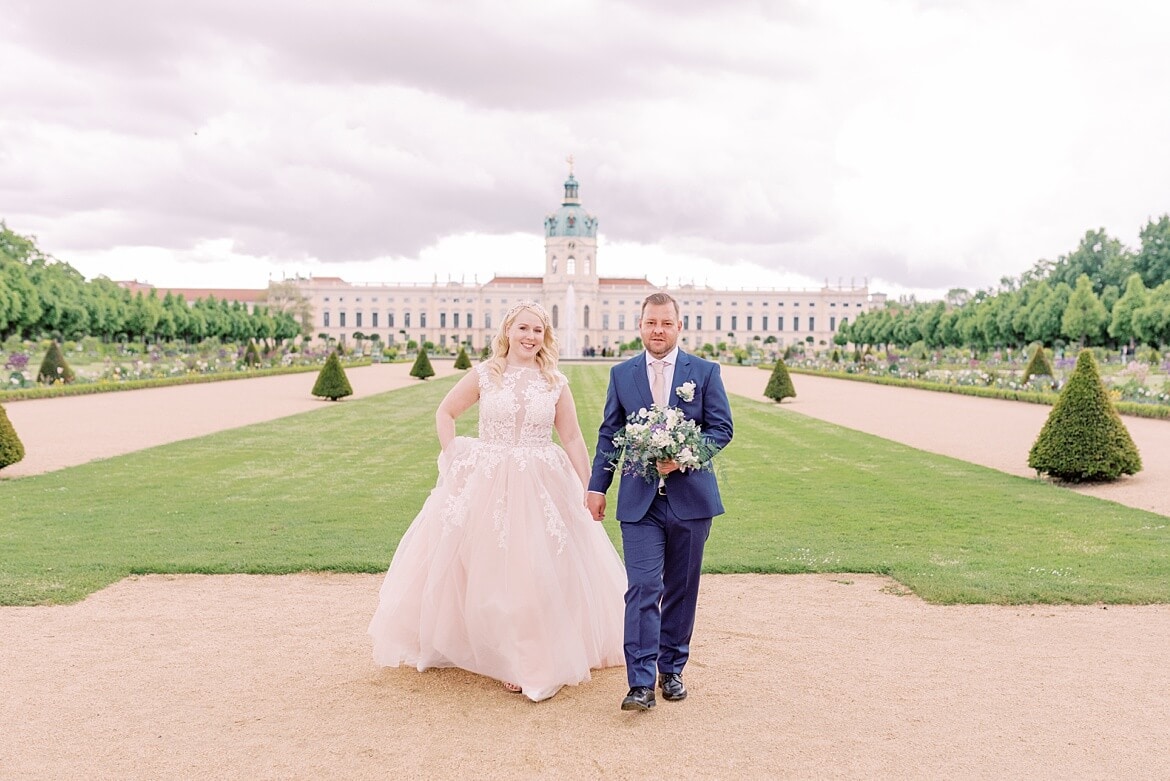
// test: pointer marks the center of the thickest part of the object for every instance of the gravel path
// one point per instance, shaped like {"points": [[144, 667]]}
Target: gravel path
{"points": [[820, 676]]}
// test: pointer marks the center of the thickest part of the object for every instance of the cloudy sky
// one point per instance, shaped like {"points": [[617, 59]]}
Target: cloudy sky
{"points": [[917, 145]]}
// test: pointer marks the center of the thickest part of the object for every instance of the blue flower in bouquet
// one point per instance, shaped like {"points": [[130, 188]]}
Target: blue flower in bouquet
{"points": [[661, 434]]}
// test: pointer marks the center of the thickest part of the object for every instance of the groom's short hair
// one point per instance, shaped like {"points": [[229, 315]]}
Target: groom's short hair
{"points": [[658, 299]]}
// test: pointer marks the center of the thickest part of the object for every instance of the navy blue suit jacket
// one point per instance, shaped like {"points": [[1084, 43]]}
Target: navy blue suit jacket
{"points": [[692, 494]]}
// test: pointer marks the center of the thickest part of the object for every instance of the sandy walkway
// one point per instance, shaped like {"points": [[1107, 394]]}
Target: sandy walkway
{"points": [[791, 676]]}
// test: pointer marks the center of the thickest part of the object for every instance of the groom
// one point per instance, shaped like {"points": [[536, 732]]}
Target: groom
{"points": [[664, 524]]}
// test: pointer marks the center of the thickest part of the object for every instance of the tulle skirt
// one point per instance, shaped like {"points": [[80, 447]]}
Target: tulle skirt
{"points": [[504, 573]]}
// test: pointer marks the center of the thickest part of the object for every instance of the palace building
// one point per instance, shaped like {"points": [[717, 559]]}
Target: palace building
{"points": [[591, 313]]}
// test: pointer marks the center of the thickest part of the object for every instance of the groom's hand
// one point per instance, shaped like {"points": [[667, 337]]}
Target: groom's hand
{"points": [[666, 467], [596, 504]]}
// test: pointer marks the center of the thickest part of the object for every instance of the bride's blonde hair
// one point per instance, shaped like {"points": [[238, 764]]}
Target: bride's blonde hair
{"points": [[546, 357]]}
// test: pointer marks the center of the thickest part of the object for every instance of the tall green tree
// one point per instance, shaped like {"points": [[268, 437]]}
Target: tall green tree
{"points": [[1104, 259], [1121, 320], [1153, 259], [1084, 318], [1151, 322]]}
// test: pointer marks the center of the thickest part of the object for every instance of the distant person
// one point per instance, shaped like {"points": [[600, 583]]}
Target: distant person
{"points": [[664, 524], [503, 572]]}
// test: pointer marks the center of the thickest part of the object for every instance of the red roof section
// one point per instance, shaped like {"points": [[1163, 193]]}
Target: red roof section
{"points": [[639, 282], [243, 295], [515, 281]]}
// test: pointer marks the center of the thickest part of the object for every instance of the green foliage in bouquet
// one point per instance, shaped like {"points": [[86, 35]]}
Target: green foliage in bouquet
{"points": [[780, 384], [422, 365], [331, 382], [1084, 438], [11, 448], [251, 354], [461, 360], [54, 368], [1039, 365]]}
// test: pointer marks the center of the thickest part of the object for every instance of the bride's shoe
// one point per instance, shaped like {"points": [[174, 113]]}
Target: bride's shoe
{"points": [[512, 687]]}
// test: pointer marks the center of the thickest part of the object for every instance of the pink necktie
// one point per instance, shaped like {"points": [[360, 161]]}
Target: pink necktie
{"points": [[658, 389]]}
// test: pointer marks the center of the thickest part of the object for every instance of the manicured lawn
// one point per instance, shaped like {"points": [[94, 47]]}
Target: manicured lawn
{"points": [[334, 489]]}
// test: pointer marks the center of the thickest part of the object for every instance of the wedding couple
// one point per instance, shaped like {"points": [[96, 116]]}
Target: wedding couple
{"points": [[503, 573]]}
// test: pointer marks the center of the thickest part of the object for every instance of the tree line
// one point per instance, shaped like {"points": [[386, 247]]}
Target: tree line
{"points": [[1102, 294], [42, 297]]}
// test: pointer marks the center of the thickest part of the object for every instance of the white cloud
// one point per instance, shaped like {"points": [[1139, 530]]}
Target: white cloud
{"points": [[921, 145]]}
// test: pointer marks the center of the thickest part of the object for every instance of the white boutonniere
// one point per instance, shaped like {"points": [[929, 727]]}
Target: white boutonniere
{"points": [[686, 391]]}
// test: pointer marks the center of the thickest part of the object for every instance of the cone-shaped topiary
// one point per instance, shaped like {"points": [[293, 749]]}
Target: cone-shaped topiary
{"points": [[331, 381], [1084, 438], [836, 356], [1039, 365], [54, 367], [251, 354], [11, 448], [461, 360], [422, 365], [780, 384]]}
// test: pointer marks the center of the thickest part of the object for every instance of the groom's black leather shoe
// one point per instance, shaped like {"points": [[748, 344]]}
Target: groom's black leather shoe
{"points": [[639, 698], [672, 686]]}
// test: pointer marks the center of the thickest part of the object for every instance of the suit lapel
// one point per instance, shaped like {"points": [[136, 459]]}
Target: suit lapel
{"points": [[682, 373]]}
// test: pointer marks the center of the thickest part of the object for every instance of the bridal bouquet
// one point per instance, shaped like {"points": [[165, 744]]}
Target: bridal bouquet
{"points": [[661, 434]]}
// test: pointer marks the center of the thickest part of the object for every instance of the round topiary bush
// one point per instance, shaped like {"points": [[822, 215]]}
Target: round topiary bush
{"points": [[780, 384], [11, 448], [461, 360], [331, 382], [422, 365], [1084, 438], [1039, 365], [54, 368]]}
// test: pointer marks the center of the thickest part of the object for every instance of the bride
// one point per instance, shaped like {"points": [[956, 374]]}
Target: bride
{"points": [[504, 572]]}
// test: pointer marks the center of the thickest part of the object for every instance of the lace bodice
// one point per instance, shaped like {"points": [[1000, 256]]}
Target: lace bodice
{"points": [[518, 410]]}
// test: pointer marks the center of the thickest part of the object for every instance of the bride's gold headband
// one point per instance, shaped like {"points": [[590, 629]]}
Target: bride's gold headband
{"points": [[528, 304]]}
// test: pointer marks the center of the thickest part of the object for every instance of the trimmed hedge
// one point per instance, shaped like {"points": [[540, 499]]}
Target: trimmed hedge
{"points": [[54, 367], [780, 384], [1039, 365], [422, 366], [11, 448], [1084, 438], [461, 360], [331, 382]]}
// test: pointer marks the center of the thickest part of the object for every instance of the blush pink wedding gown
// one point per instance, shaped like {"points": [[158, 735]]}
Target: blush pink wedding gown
{"points": [[503, 572]]}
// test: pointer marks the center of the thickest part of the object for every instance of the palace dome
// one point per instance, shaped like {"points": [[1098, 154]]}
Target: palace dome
{"points": [[571, 219]]}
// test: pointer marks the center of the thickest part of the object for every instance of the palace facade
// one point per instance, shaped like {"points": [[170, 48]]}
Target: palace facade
{"points": [[590, 312]]}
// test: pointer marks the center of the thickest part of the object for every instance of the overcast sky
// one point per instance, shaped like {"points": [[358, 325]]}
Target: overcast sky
{"points": [[919, 145]]}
